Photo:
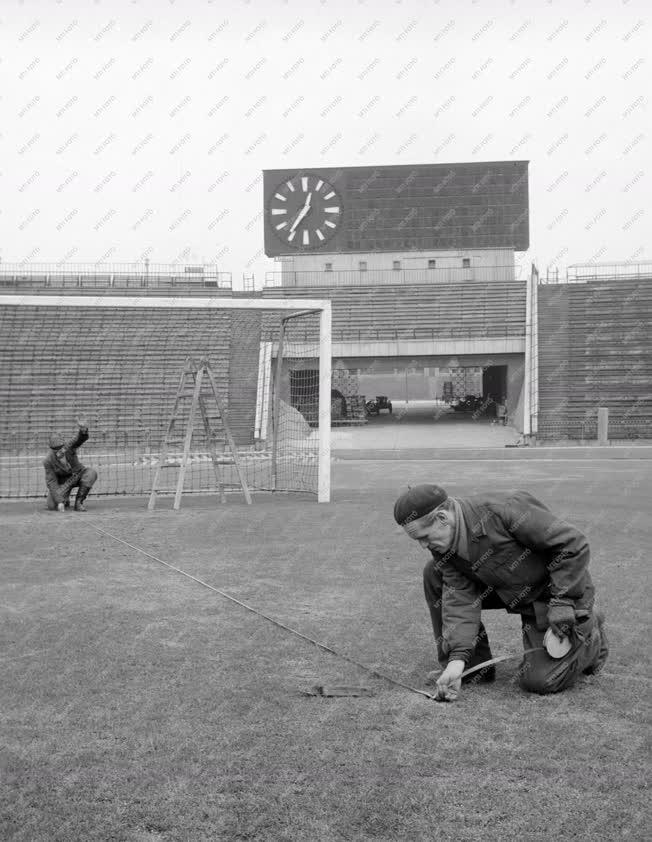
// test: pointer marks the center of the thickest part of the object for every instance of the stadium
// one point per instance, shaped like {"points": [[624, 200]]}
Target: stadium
{"points": [[416, 271], [159, 688]]}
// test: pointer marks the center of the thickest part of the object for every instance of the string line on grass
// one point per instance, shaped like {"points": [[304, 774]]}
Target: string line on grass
{"points": [[277, 623], [305, 637]]}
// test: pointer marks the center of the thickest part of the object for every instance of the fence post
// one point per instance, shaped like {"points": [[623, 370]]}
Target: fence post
{"points": [[603, 425]]}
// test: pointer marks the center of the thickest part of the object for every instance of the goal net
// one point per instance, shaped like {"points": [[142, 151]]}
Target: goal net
{"points": [[117, 362]]}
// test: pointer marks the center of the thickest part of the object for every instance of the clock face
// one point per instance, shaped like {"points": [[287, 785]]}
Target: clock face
{"points": [[305, 211]]}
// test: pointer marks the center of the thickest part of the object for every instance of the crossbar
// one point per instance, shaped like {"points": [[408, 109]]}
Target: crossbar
{"points": [[117, 301]]}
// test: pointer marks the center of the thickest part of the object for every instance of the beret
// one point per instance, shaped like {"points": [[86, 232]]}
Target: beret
{"points": [[417, 502]]}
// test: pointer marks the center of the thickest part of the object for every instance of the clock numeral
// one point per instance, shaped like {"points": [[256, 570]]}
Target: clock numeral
{"points": [[304, 183], [282, 225], [330, 224], [306, 237], [332, 210], [290, 186], [319, 185], [329, 195], [319, 234], [277, 211], [280, 197]]}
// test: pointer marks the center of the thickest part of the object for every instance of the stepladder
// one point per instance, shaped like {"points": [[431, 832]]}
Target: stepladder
{"points": [[197, 412]]}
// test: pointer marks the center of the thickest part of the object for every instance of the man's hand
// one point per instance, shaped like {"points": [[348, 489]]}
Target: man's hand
{"points": [[61, 507], [81, 422], [450, 681], [561, 617]]}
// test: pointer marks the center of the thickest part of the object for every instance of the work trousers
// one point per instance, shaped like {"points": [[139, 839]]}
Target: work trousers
{"points": [[86, 478], [538, 672]]}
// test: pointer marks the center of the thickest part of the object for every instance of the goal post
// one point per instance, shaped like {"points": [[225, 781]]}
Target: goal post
{"points": [[116, 360]]}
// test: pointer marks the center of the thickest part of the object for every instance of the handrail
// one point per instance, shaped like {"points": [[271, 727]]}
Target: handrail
{"points": [[581, 273], [372, 277], [161, 278]]}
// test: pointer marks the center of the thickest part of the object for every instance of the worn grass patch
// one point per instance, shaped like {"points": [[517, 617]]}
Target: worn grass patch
{"points": [[138, 706]]}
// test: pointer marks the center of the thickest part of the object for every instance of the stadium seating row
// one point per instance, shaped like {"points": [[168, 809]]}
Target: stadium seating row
{"points": [[120, 368], [465, 310], [595, 350]]}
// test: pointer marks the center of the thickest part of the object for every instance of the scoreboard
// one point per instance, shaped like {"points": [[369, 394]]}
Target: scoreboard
{"points": [[424, 207]]}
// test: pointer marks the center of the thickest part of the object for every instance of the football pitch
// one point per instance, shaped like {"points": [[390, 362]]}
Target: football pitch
{"points": [[138, 705]]}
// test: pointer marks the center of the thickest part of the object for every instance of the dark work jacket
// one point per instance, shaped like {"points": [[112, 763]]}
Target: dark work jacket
{"points": [[518, 550], [56, 472]]}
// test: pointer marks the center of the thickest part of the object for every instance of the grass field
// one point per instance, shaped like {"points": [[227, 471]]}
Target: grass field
{"points": [[140, 706]]}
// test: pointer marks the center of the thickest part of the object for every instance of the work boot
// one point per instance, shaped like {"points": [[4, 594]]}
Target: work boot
{"points": [[596, 667], [82, 494], [481, 654], [486, 675]]}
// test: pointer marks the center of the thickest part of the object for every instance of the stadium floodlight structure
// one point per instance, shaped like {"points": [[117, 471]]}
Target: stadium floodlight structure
{"points": [[117, 359]]}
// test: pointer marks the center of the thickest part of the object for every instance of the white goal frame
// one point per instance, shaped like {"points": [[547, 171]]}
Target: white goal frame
{"points": [[298, 305]]}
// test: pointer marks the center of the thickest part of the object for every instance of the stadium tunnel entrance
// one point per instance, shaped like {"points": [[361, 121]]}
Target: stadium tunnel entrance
{"points": [[459, 391]]}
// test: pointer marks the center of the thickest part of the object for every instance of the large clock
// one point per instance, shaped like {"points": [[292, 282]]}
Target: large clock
{"points": [[305, 211]]}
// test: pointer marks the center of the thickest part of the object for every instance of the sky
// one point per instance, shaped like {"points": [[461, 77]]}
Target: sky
{"points": [[140, 128]]}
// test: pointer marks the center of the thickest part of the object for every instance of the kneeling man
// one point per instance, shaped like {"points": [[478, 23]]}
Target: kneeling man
{"points": [[507, 551], [64, 471]]}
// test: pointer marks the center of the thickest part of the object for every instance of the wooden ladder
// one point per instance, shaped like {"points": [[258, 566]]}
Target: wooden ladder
{"points": [[194, 377]]}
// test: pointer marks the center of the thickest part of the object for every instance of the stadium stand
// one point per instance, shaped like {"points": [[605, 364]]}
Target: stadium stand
{"points": [[595, 346], [595, 350], [61, 359], [470, 309]]}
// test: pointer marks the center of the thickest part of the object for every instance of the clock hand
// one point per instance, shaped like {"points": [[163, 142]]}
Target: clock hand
{"points": [[303, 212], [300, 216]]}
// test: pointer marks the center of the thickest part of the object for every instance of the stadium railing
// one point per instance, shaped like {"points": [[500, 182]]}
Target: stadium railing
{"points": [[580, 273], [380, 277], [111, 276]]}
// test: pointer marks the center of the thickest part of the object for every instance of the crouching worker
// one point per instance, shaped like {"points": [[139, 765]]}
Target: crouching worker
{"points": [[64, 471], [505, 551]]}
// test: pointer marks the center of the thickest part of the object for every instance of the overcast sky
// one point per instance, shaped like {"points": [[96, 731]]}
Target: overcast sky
{"points": [[135, 128]]}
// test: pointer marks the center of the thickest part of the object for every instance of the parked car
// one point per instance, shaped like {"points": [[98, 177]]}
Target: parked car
{"points": [[374, 406], [469, 403]]}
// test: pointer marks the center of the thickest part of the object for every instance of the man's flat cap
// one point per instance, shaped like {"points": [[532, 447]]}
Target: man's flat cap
{"points": [[57, 440], [417, 502]]}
